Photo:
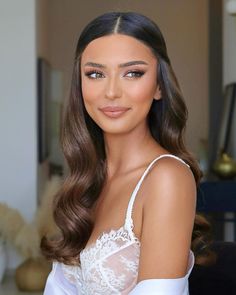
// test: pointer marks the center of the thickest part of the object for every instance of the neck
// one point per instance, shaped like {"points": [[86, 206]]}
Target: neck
{"points": [[125, 152]]}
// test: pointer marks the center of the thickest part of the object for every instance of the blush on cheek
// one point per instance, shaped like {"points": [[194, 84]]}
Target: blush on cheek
{"points": [[90, 92], [142, 96], [143, 91], [85, 90]]}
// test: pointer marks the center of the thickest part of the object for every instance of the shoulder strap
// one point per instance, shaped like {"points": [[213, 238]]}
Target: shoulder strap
{"points": [[128, 220]]}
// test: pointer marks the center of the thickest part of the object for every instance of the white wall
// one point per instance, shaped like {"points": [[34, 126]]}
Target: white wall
{"points": [[229, 64], [18, 142]]}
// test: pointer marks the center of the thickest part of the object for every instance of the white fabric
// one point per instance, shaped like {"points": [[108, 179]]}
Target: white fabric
{"points": [[57, 284], [110, 265], [177, 286]]}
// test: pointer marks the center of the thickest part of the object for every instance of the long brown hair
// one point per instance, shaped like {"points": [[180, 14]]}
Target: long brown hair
{"points": [[83, 143]]}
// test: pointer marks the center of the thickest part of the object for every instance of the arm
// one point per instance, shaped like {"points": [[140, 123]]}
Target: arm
{"points": [[168, 218]]}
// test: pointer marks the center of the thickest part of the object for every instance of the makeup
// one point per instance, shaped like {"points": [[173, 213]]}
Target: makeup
{"points": [[114, 112]]}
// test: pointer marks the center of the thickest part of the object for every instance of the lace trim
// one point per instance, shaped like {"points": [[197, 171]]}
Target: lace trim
{"points": [[113, 233], [106, 246]]}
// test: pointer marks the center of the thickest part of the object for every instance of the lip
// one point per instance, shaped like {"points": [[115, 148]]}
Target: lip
{"points": [[113, 109], [114, 112]]}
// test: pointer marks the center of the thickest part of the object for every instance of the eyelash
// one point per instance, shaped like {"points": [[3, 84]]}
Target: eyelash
{"points": [[138, 73]]}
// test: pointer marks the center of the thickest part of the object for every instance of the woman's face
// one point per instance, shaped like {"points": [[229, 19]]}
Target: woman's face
{"points": [[119, 73]]}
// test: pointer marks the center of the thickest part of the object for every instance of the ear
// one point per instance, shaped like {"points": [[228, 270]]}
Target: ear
{"points": [[157, 94]]}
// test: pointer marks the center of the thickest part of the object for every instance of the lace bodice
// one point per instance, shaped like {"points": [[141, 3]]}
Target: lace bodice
{"points": [[110, 265]]}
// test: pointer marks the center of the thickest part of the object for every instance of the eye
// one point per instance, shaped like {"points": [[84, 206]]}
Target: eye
{"points": [[135, 74], [94, 75]]}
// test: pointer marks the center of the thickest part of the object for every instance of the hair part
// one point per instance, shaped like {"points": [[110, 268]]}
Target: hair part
{"points": [[116, 28]]}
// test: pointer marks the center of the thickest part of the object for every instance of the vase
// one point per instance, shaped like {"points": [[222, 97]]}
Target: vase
{"points": [[31, 275], [225, 167]]}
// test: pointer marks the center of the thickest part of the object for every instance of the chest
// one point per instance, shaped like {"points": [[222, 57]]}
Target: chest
{"points": [[110, 259], [111, 208]]}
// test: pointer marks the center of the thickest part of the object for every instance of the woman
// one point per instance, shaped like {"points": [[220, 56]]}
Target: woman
{"points": [[126, 211]]}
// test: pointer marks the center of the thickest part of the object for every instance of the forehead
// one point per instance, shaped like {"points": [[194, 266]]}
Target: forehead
{"points": [[117, 48]]}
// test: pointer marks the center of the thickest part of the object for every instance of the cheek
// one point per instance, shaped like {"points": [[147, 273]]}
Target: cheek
{"points": [[143, 92], [89, 92], [89, 97]]}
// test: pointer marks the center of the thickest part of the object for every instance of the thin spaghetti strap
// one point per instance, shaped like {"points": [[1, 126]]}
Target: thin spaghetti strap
{"points": [[128, 219]]}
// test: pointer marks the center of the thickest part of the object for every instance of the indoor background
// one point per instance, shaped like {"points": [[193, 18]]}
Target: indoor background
{"points": [[195, 32]]}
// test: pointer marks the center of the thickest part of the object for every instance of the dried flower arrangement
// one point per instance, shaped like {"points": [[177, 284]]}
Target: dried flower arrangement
{"points": [[25, 237]]}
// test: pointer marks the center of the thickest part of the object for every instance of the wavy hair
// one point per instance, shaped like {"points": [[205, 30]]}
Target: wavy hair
{"points": [[83, 143]]}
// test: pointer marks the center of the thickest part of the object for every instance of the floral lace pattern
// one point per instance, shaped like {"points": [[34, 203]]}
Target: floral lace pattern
{"points": [[108, 266]]}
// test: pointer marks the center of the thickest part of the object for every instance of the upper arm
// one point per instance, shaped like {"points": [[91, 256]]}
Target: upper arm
{"points": [[168, 218]]}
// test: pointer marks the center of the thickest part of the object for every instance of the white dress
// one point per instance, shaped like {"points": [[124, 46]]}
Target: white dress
{"points": [[110, 265]]}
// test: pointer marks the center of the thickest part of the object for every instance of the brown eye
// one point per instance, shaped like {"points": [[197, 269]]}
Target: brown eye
{"points": [[135, 74], [94, 75]]}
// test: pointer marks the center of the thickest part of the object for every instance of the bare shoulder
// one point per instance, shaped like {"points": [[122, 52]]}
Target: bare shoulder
{"points": [[168, 218], [170, 176]]}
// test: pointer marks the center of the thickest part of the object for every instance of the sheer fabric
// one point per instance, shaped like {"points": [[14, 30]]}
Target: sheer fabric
{"points": [[110, 265]]}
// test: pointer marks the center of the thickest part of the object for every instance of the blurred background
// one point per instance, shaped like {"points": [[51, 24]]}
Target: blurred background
{"points": [[38, 39]]}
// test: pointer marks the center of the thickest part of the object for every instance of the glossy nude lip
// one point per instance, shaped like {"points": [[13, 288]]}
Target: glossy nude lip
{"points": [[114, 112]]}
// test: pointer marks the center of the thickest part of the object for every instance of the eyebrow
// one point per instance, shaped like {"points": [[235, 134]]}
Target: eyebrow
{"points": [[123, 65]]}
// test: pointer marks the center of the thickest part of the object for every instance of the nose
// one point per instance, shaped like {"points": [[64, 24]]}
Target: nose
{"points": [[113, 88]]}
